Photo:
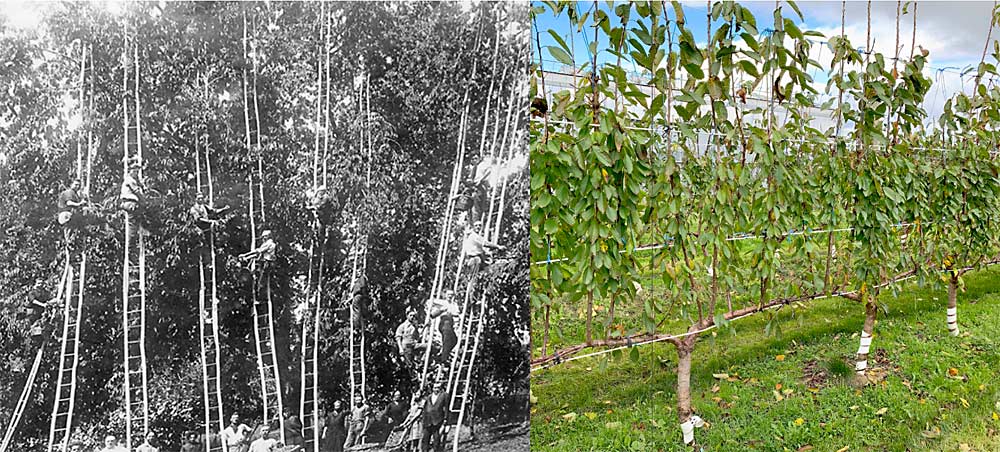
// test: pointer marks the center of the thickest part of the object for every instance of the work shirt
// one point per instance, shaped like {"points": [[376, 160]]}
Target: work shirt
{"points": [[234, 437], [199, 212], [67, 196], [483, 170], [475, 245], [358, 414], [146, 447], [262, 445], [406, 333], [441, 306], [131, 189], [267, 250]]}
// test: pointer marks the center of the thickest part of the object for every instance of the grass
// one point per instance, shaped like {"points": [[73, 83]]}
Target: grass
{"points": [[619, 404]]}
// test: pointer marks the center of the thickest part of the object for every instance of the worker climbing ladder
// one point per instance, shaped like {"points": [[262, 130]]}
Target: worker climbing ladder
{"points": [[357, 258], [22, 401], [134, 261], [309, 394], [74, 278], [267, 360], [445, 243], [472, 319], [208, 325], [356, 262]]}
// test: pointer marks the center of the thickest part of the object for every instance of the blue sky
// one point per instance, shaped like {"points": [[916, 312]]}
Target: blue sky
{"points": [[953, 32]]}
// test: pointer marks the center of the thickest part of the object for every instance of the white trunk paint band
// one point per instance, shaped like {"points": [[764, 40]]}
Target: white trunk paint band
{"points": [[688, 429], [866, 343], [861, 366], [952, 315]]}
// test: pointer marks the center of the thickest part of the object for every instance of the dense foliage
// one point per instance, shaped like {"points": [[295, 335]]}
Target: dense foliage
{"points": [[420, 60], [716, 158]]}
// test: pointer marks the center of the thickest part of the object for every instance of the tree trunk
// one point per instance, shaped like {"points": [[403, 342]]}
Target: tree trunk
{"points": [[590, 317], [871, 310], [545, 333], [688, 420], [611, 317], [684, 388], [953, 304]]}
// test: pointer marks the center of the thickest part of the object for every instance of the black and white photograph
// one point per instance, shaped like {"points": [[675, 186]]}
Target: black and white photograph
{"points": [[264, 226]]}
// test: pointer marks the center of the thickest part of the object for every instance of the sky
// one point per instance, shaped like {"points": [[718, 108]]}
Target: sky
{"points": [[953, 31]]}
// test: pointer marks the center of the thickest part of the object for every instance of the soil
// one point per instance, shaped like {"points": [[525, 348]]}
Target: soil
{"points": [[814, 375]]}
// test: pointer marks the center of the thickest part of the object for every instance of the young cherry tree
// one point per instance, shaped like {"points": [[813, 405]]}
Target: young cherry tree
{"points": [[742, 177], [887, 105], [966, 187]]}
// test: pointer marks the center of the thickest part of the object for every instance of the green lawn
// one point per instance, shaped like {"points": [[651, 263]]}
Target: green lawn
{"points": [[601, 405]]}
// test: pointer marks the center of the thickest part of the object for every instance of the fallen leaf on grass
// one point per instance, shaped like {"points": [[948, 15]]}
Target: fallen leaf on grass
{"points": [[804, 448], [882, 411], [778, 396], [777, 386], [715, 388], [843, 449], [952, 371], [569, 417], [962, 447], [612, 425], [590, 415], [779, 358], [721, 376], [932, 433], [800, 421], [996, 417], [965, 403]]}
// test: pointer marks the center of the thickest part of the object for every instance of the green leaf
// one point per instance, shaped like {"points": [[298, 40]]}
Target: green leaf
{"points": [[694, 70], [559, 40], [560, 55], [796, 8]]}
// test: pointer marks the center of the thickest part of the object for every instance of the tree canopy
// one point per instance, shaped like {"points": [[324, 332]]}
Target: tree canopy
{"points": [[420, 59]]}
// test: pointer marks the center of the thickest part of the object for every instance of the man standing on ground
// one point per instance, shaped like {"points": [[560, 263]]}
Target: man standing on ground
{"points": [[335, 430], [191, 443], [433, 419], [263, 444], [148, 445], [111, 445], [358, 423], [235, 434], [293, 429], [395, 413]]}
